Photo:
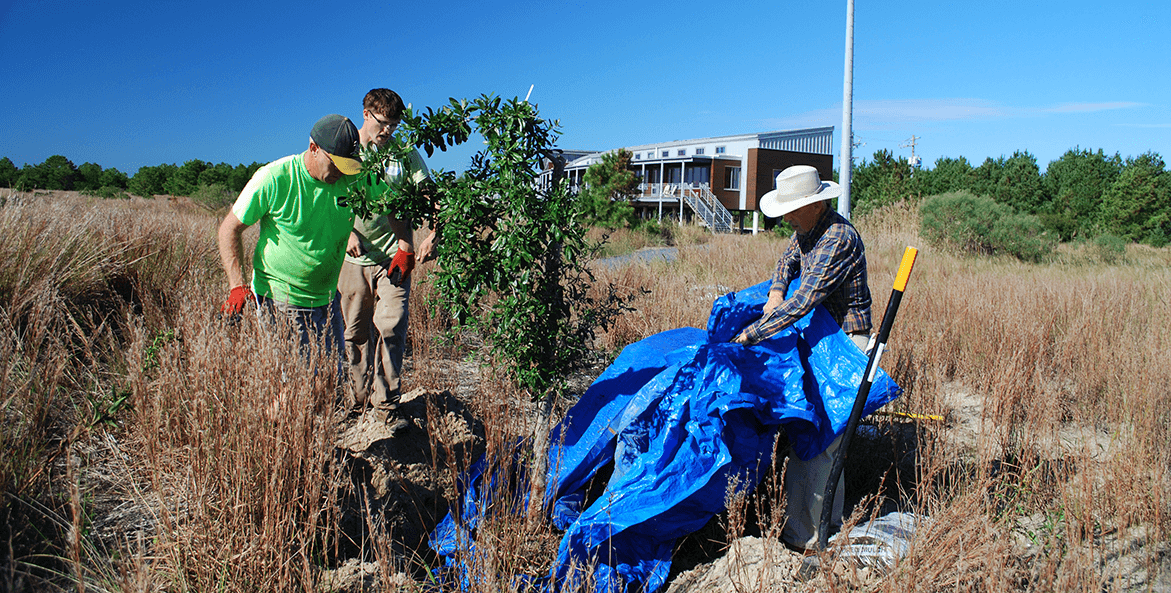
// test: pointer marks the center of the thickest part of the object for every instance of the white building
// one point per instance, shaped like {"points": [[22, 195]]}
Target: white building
{"points": [[731, 171]]}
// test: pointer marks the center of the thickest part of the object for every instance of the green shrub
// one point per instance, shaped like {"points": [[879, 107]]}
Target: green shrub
{"points": [[961, 220], [1023, 236], [1109, 248], [1064, 224], [783, 229], [213, 197], [1157, 238], [109, 192], [979, 225]]}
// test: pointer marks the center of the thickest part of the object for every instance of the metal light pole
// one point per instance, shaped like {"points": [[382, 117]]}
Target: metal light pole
{"points": [[847, 157]]}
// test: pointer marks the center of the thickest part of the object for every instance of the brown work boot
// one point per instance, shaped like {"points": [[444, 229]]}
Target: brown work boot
{"points": [[390, 416]]}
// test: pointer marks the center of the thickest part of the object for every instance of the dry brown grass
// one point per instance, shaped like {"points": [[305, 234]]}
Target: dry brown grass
{"points": [[1052, 473]]}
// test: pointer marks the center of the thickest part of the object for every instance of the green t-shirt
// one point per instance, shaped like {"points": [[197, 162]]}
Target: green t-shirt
{"points": [[378, 239], [303, 232]]}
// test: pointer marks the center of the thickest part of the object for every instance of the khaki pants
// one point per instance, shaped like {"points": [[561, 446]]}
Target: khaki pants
{"points": [[376, 317], [805, 490]]}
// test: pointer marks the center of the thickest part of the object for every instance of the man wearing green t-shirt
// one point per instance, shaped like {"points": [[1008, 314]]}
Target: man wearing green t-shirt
{"points": [[303, 233], [375, 283]]}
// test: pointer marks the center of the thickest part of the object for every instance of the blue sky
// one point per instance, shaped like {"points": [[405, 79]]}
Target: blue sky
{"points": [[127, 84]]}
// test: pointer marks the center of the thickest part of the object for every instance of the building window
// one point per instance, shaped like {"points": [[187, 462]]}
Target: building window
{"points": [[699, 151], [775, 173], [673, 172], [682, 152], [731, 177], [697, 176], [637, 156], [666, 153], [721, 149]]}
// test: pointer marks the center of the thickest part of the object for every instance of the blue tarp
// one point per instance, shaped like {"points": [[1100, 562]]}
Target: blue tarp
{"points": [[679, 414]]}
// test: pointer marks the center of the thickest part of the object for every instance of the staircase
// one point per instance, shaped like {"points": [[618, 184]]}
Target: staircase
{"points": [[709, 209]]}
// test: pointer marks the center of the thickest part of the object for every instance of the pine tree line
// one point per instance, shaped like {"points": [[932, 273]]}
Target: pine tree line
{"points": [[1081, 195], [209, 183]]}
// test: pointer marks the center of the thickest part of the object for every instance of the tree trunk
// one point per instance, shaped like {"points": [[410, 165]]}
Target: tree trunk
{"points": [[540, 465]]}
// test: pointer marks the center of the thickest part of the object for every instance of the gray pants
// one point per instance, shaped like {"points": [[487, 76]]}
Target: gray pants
{"points": [[376, 320], [805, 490]]}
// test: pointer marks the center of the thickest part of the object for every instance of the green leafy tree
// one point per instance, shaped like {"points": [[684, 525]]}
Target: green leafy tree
{"points": [[985, 177], [151, 181], [88, 178], [948, 175], [56, 173], [1019, 184], [882, 181], [512, 251], [215, 175], [29, 177], [8, 172], [1137, 206], [113, 178], [185, 180], [1015, 181], [609, 187], [1075, 184]]}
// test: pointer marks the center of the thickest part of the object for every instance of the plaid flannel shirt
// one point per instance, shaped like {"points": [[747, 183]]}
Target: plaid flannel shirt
{"points": [[830, 264]]}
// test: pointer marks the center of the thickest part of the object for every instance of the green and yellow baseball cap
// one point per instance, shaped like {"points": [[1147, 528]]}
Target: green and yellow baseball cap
{"points": [[338, 137]]}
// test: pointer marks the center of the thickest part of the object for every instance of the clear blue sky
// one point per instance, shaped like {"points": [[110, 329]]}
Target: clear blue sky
{"points": [[127, 84]]}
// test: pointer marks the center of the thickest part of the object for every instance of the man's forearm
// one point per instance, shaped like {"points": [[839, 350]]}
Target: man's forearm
{"points": [[405, 234], [231, 245], [771, 322]]}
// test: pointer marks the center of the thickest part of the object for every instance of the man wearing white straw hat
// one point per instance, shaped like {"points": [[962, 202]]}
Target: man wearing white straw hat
{"points": [[828, 260]]}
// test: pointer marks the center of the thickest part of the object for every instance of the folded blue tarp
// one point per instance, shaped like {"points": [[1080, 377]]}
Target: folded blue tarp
{"points": [[680, 414]]}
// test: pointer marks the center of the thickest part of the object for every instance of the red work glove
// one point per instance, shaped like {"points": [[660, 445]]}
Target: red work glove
{"points": [[236, 300], [400, 267]]}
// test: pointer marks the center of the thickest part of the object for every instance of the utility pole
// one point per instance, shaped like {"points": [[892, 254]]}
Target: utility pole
{"points": [[914, 161], [847, 152]]}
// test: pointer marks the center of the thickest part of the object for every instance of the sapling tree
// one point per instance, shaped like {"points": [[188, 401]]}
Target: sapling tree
{"points": [[512, 250], [610, 185]]}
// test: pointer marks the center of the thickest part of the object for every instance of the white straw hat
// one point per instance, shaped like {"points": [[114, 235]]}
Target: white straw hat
{"points": [[797, 186]]}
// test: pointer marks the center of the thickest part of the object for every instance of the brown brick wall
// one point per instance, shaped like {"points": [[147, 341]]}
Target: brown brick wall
{"points": [[729, 198], [762, 162]]}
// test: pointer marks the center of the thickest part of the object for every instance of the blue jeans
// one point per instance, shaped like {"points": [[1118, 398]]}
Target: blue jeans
{"points": [[323, 325]]}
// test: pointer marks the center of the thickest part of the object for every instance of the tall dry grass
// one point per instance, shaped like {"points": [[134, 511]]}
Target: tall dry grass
{"points": [[1068, 369], [236, 435], [74, 269], [109, 308]]}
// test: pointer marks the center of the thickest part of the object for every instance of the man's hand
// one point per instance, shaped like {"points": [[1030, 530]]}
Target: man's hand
{"points": [[354, 245], [775, 299], [400, 267], [239, 297], [426, 251], [742, 339]]}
